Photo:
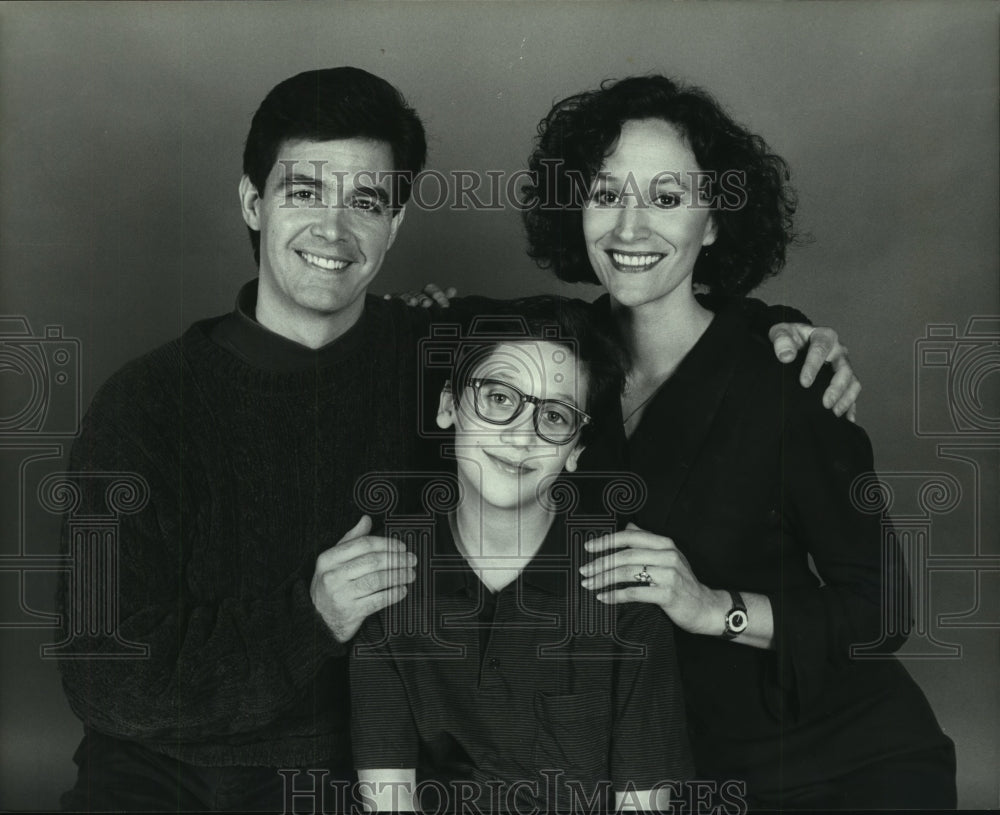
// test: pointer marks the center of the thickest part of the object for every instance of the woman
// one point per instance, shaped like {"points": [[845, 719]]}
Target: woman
{"points": [[650, 189]]}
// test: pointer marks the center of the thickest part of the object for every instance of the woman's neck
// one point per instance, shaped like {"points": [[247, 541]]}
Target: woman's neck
{"points": [[660, 334]]}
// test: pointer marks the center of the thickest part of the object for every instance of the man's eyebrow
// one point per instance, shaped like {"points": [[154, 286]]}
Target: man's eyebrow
{"points": [[298, 178], [379, 192]]}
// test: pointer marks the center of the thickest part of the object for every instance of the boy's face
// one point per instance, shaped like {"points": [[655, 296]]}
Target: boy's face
{"points": [[506, 465], [325, 226]]}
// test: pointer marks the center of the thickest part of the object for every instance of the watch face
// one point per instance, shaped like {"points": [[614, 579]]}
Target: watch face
{"points": [[736, 621]]}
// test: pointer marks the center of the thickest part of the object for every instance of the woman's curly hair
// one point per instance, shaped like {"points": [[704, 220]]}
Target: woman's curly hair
{"points": [[754, 227]]}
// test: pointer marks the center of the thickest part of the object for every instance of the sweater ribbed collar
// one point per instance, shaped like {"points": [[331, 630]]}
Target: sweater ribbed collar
{"points": [[240, 334]]}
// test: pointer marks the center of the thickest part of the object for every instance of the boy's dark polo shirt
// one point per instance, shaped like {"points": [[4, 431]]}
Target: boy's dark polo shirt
{"points": [[493, 688]]}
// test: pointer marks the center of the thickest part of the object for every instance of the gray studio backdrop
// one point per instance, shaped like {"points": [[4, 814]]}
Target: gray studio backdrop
{"points": [[121, 142]]}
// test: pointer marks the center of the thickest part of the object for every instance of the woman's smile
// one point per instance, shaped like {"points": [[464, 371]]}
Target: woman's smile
{"points": [[634, 261]]}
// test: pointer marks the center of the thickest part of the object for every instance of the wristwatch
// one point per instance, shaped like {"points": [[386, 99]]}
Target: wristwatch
{"points": [[736, 617]]}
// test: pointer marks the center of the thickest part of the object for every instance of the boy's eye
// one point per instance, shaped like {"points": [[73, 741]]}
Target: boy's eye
{"points": [[303, 194], [556, 417], [498, 398]]}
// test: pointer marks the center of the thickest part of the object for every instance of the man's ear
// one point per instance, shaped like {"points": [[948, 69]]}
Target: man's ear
{"points": [[397, 219], [250, 203], [446, 408], [574, 457]]}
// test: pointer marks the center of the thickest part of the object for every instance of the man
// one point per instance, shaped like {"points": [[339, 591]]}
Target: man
{"points": [[250, 431], [242, 574]]}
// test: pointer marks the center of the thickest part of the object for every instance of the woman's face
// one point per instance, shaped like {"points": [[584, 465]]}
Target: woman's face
{"points": [[507, 465], [646, 222]]}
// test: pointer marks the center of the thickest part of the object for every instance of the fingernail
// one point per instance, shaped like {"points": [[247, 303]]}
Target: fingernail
{"points": [[587, 583], [827, 401], [786, 356]]}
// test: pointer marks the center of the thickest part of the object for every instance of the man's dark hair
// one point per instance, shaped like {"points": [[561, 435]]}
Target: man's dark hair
{"points": [[579, 133], [329, 104], [572, 324]]}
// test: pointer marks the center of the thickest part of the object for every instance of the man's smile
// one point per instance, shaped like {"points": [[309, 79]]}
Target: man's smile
{"points": [[327, 264]]}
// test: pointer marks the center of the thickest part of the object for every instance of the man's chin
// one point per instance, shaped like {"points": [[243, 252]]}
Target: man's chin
{"points": [[332, 303]]}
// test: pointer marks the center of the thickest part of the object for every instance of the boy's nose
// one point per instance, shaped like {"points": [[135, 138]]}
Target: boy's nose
{"points": [[520, 432]]}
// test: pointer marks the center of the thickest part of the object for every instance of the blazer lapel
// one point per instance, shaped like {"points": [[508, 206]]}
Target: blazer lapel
{"points": [[674, 427]]}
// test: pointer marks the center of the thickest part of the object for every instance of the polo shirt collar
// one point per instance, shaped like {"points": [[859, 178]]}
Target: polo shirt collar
{"points": [[545, 571]]}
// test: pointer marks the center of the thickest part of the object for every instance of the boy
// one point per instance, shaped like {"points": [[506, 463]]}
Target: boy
{"points": [[498, 683]]}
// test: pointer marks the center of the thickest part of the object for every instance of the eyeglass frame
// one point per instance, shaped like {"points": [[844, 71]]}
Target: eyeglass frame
{"points": [[477, 383]]}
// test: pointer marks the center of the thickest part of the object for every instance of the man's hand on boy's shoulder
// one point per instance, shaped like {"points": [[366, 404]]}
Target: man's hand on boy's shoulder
{"points": [[359, 575], [841, 394], [789, 330]]}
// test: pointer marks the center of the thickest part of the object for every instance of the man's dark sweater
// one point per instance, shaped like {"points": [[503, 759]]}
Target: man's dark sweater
{"points": [[251, 446]]}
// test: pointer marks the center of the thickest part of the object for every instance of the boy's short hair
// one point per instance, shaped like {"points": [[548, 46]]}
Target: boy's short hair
{"points": [[329, 104], [573, 324]]}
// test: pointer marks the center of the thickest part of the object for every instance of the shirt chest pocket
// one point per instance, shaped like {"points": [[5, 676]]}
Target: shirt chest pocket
{"points": [[573, 734]]}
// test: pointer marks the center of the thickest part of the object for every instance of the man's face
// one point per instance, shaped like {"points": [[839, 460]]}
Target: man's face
{"points": [[325, 226]]}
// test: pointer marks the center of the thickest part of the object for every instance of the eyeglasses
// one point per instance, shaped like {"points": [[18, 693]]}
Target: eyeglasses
{"points": [[501, 403]]}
